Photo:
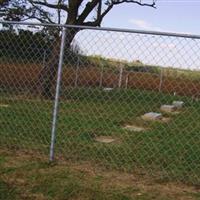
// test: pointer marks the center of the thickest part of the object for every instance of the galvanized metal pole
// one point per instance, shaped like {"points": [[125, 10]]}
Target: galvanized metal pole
{"points": [[57, 95]]}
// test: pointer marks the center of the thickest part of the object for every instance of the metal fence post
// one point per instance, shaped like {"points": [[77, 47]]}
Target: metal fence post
{"points": [[56, 102]]}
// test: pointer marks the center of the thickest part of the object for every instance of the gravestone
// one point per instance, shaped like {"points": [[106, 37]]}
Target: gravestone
{"points": [[168, 108], [178, 104], [152, 116], [107, 89]]}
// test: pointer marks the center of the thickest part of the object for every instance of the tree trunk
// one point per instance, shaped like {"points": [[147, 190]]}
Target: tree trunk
{"points": [[49, 71]]}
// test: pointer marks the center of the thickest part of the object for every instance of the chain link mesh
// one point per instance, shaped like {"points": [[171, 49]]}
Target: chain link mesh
{"points": [[109, 81]]}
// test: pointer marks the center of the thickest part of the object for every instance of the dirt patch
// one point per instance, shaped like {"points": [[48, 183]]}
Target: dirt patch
{"points": [[88, 173], [110, 179], [165, 119]]}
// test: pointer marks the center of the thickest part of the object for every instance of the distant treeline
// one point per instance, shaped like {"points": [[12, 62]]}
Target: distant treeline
{"points": [[23, 44], [30, 46]]}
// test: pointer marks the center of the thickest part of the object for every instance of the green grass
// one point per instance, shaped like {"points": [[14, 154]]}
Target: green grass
{"points": [[166, 151]]}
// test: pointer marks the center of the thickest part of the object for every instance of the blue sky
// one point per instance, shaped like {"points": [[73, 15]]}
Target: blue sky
{"points": [[170, 15], [180, 16]]}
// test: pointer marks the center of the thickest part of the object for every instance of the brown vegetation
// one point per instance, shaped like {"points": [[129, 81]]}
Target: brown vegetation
{"points": [[25, 76]]}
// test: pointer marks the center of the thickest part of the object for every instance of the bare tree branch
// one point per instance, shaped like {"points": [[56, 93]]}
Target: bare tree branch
{"points": [[153, 4], [100, 15], [59, 12], [44, 15], [54, 6], [88, 9], [71, 7], [99, 9]]}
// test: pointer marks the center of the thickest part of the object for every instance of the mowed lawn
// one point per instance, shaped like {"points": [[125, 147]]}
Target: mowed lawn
{"points": [[165, 151]]}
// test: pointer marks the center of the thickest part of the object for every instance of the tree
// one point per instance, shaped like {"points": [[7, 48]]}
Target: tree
{"points": [[3, 2], [72, 12]]}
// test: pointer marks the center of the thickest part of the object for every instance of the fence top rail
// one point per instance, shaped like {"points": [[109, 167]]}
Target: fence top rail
{"points": [[145, 32]]}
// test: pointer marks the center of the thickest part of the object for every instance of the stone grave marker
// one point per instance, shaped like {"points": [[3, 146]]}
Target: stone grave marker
{"points": [[178, 104], [152, 116], [168, 108]]}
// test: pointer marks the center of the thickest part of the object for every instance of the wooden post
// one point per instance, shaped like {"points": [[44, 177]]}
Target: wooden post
{"points": [[161, 80], [120, 75], [101, 76], [76, 75], [127, 79]]}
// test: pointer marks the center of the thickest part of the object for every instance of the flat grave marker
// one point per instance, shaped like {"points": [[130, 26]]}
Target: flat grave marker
{"points": [[152, 116]]}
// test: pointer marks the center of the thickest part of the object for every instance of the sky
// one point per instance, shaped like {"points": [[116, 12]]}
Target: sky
{"points": [[170, 15], [178, 16]]}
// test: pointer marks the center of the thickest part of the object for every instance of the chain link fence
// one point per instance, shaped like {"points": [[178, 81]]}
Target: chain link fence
{"points": [[119, 99]]}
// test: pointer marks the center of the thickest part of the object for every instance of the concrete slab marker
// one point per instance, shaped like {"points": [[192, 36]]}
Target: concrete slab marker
{"points": [[168, 108], [107, 89], [152, 116], [178, 104]]}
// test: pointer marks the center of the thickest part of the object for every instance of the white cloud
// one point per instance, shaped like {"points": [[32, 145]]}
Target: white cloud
{"points": [[139, 23], [145, 25], [164, 45]]}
